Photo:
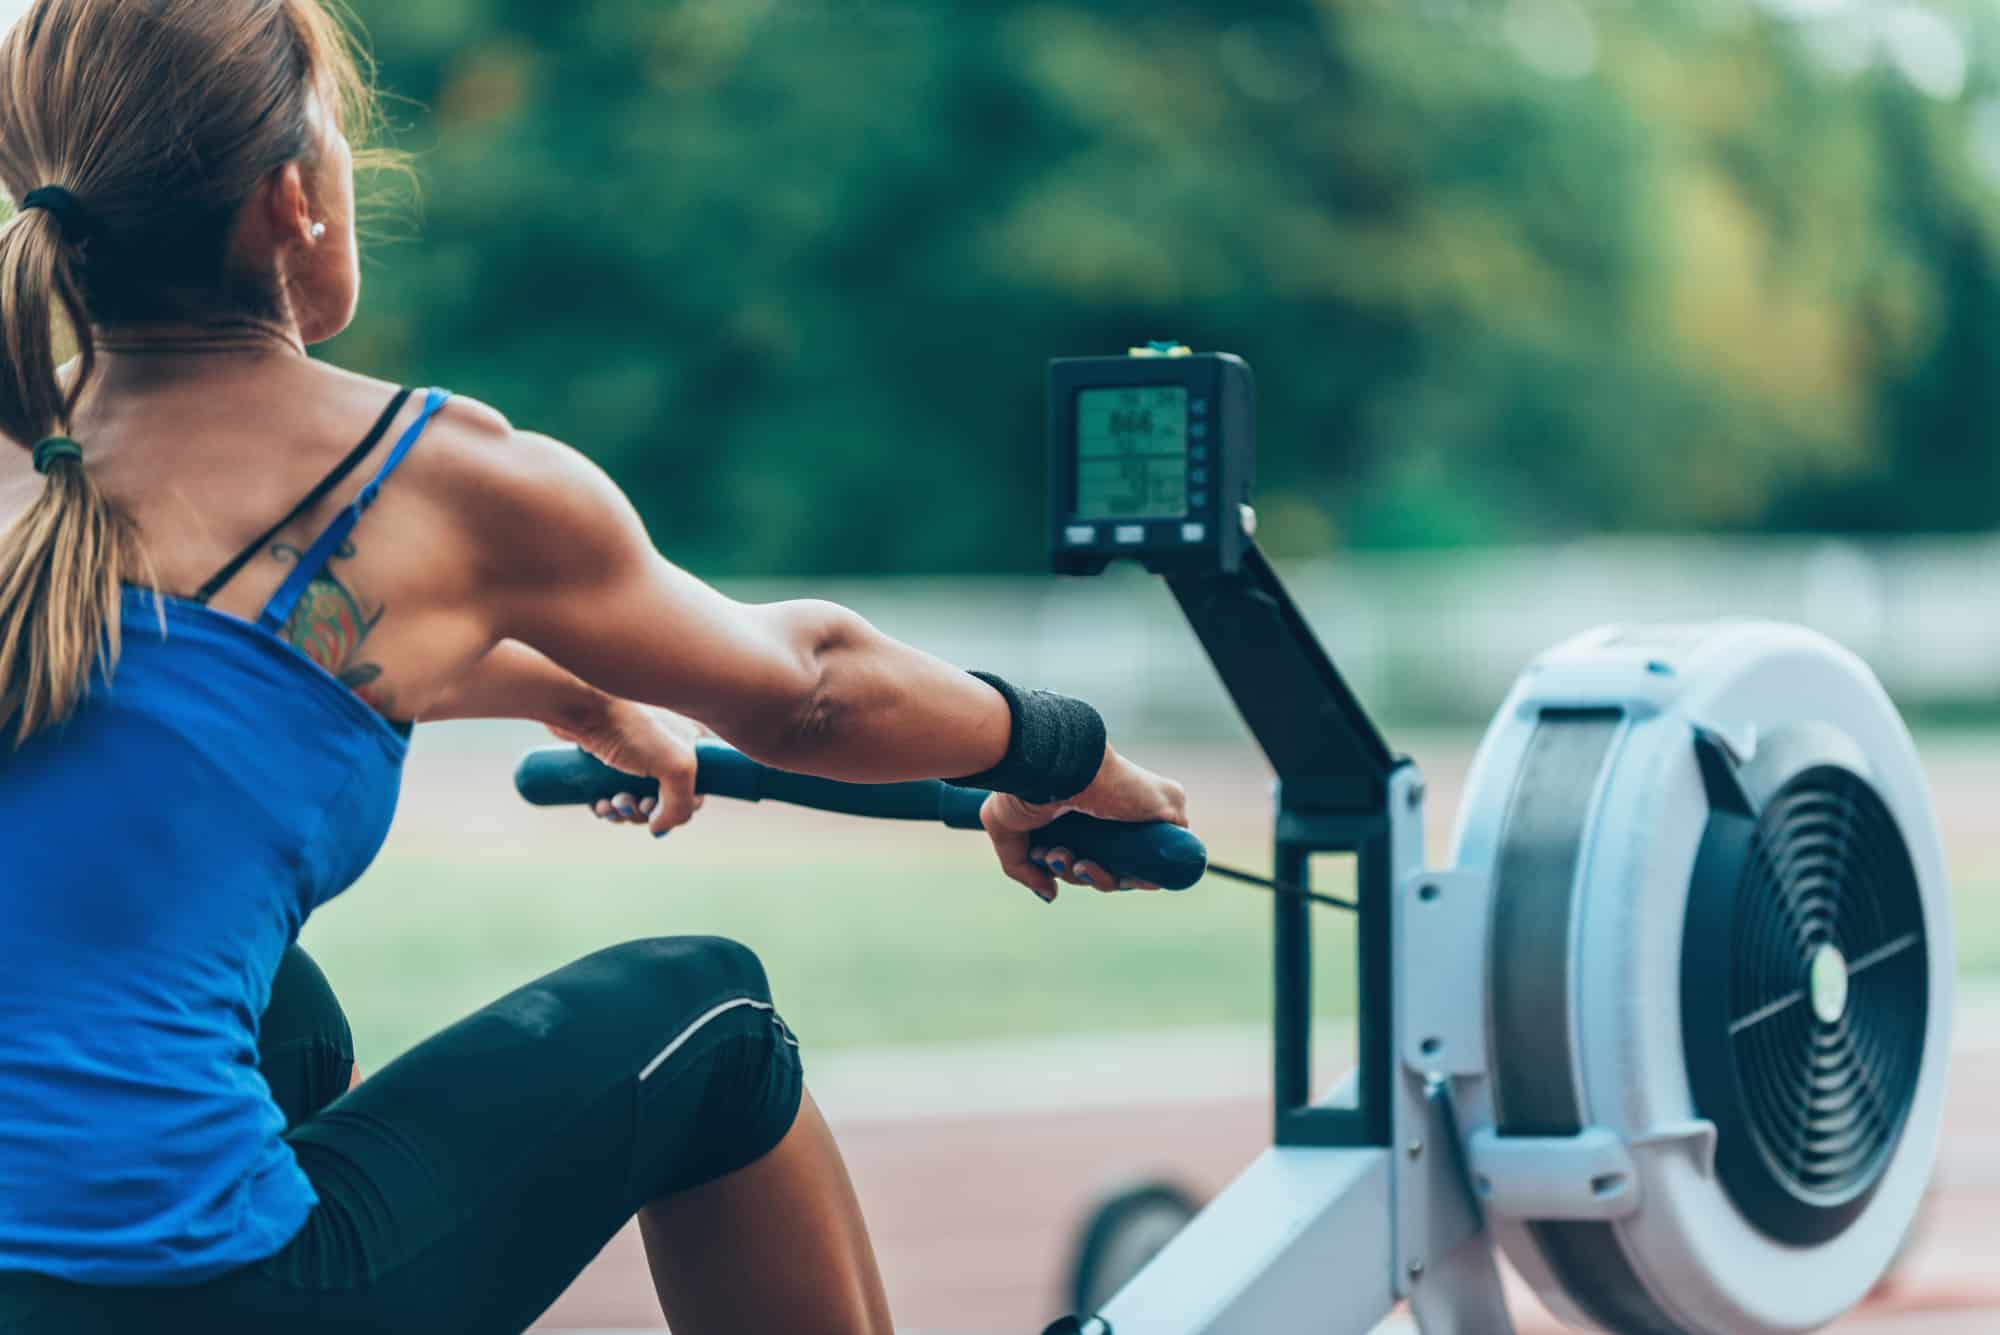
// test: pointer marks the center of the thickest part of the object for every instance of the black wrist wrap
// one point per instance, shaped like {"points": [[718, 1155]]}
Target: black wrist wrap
{"points": [[1056, 750]]}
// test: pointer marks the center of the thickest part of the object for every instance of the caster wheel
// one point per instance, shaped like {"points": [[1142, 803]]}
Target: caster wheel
{"points": [[1126, 1230]]}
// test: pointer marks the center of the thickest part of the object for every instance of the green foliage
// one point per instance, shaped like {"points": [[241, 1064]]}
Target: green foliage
{"points": [[790, 270]]}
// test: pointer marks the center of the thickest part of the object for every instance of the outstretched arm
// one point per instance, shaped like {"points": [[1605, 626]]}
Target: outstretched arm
{"points": [[565, 565], [804, 686]]}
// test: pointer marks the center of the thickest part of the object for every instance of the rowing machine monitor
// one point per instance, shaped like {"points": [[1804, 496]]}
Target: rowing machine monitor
{"points": [[1152, 459]]}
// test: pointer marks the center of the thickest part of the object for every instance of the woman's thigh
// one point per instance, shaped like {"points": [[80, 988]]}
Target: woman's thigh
{"points": [[304, 1047], [464, 1185]]}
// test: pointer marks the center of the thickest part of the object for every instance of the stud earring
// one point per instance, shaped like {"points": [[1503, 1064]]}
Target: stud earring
{"points": [[319, 231]]}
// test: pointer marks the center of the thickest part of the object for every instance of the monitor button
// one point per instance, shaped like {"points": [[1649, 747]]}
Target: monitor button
{"points": [[1194, 533], [1129, 535], [1199, 407], [1198, 499], [1080, 535]]}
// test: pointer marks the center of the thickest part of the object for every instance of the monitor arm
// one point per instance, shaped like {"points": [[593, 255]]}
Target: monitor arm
{"points": [[1333, 769]]}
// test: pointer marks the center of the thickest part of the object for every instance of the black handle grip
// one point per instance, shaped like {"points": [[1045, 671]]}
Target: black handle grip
{"points": [[1156, 853], [568, 776], [1160, 854]]}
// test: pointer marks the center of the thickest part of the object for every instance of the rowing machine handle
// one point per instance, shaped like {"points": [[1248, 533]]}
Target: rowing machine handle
{"points": [[1161, 854]]}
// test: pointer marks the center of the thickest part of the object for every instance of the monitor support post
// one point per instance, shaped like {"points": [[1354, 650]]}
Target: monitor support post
{"points": [[1333, 769]]}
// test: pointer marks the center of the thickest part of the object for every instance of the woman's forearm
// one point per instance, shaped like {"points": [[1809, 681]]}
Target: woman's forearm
{"points": [[514, 681], [879, 710]]}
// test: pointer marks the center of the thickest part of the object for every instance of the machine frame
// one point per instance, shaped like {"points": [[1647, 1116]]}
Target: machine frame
{"points": [[1384, 1142], [1299, 1235], [1298, 1240]]}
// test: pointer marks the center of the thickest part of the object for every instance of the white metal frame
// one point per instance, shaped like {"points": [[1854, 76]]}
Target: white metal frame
{"points": [[1339, 1236]]}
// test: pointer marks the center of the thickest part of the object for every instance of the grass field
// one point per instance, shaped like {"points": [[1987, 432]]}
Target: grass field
{"points": [[884, 934]]}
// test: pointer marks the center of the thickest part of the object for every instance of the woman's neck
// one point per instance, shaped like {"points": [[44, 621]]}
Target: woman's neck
{"points": [[235, 337]]}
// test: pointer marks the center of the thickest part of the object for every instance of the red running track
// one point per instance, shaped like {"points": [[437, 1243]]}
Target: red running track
{"points": [[972, 1215]]}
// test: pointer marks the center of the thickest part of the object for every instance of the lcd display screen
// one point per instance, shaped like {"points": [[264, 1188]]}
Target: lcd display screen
{"points": [[1131, 448]]}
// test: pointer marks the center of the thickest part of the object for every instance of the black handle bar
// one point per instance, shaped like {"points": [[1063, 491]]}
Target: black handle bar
{"points": [[1159, 854]]}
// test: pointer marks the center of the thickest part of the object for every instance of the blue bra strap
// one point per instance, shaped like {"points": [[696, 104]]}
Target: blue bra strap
{"points": [[279, 610]]}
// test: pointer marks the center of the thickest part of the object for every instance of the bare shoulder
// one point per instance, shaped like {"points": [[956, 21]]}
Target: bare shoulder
{"points": [[475, 425], [519, 493], [474, 449]]}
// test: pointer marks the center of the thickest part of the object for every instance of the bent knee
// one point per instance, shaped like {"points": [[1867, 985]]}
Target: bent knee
{"points": [[725, 1083], [711, 965]]}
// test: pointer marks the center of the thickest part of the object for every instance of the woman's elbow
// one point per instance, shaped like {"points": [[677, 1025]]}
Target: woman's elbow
{"points": [[816, 690]]}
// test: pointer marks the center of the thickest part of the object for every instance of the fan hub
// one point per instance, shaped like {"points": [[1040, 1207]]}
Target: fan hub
{"points": [[1826, 984]]}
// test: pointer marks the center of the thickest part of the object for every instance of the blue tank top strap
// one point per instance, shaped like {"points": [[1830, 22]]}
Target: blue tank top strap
{"points": [[279, 610]]}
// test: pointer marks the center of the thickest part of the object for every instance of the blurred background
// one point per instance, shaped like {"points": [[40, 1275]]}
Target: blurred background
{"points": [[1510, 271], [1562, 311]]}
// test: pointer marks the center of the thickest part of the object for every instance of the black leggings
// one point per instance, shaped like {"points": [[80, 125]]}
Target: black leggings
{"points": [[464, 1185]]}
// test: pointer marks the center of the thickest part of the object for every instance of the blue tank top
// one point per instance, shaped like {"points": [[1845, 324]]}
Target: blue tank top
{"points": [[162, 849]]}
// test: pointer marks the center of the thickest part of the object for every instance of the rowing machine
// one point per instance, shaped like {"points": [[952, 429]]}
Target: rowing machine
{"points": [[1670, 1030]]}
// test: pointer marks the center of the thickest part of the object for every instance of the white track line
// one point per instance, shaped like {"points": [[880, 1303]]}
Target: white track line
{"points": [[1149, 1068]]}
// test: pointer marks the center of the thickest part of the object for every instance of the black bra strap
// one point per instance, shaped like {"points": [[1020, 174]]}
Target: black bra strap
{"points": [[318, 494]]}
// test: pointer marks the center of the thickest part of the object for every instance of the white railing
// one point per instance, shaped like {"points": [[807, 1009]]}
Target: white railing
{"points": [[1440, 636]]}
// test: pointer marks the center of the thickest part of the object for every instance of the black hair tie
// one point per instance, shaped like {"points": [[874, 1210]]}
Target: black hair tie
{"points": [[64, 207]]}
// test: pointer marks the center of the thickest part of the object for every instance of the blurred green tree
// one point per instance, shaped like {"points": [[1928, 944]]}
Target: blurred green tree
{"points": [[1506, 269]]}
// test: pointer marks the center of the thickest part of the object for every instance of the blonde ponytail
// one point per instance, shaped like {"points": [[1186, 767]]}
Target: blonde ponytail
{"points": [[127, 217], [63, 561]]}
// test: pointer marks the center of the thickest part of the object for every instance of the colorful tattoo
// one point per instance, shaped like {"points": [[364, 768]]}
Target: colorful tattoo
{"points": [[329, 626]]}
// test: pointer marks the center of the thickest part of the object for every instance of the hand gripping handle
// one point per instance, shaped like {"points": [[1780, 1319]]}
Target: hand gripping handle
{"points": [[1160, 854]]}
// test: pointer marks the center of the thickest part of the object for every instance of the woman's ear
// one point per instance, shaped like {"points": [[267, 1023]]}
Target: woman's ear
{"points": [[286, 207]]}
